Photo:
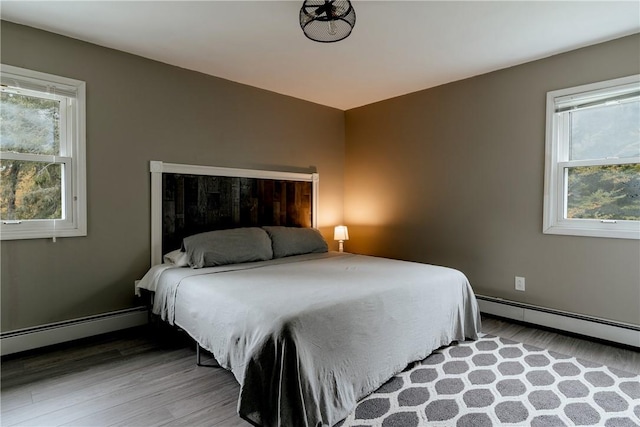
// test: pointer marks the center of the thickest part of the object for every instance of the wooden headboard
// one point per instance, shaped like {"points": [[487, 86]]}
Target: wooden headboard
{"points": [[189, 199]]}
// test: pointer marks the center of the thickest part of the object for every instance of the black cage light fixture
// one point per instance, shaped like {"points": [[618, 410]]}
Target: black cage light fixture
{"points": [[327, 21]]}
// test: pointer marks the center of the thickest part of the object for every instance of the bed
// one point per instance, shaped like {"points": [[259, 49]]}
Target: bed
{"points": [[305, 331]]}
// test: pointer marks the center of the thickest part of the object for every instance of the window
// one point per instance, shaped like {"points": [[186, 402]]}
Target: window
{"points": [[592, 169], [42, 155]]}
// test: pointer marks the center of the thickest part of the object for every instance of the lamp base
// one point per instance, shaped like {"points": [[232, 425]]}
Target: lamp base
{"points": [[341, 246]]}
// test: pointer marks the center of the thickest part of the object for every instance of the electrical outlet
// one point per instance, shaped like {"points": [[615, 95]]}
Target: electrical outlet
{"points": [[519, 283]]}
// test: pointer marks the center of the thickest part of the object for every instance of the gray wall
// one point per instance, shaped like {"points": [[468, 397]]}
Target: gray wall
{"points": [[140, 110], [454, 176]]}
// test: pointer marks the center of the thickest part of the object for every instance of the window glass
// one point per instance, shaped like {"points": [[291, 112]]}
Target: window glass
{"points": [[30, 190], [606, 131], [29, 124], [604, 192]]}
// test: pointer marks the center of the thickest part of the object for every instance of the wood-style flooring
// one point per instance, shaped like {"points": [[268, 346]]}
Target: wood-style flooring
{"points": [[148, 377]]}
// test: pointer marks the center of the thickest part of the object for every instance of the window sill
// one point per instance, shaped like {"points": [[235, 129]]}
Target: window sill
{"points": [[622, 230], [41, 234]]}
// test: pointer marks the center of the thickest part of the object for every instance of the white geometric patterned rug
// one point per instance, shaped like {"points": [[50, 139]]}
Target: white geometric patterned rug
{"points": [[498, 382]]}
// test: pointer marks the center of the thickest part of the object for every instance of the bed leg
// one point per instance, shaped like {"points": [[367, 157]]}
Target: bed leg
{"points": [[198, 358]]}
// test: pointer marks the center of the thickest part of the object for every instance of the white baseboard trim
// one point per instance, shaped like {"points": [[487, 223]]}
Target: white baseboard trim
{"points": [[589, 326], [59, 332]]}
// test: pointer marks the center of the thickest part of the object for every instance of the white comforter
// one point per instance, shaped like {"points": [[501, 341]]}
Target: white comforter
{"points": [[308, 336]]}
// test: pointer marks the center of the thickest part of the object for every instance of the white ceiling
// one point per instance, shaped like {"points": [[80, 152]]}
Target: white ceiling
{"points": [[396, 47]]}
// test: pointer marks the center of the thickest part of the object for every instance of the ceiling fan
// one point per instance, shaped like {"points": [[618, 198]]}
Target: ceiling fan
{"points": [[327, 21]]}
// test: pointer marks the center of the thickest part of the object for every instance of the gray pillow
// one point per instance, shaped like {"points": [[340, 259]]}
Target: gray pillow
{"points": [[231, 246], [287, 241]]}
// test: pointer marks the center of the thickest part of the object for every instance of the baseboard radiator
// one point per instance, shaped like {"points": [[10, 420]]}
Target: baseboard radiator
{"points": [[618, 332], [59, 332]]}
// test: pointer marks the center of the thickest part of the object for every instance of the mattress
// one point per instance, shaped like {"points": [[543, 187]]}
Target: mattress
{"points": [[308, 336]]}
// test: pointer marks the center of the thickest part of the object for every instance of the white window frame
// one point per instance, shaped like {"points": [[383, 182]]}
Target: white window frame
{"points": [[72, 95], [557, 161]]}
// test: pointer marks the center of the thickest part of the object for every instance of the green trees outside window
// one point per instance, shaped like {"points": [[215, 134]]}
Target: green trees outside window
{"points": [[30, 189]]}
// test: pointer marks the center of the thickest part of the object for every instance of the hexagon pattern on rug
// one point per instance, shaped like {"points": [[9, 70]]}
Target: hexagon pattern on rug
{"points": [[494, 381]]}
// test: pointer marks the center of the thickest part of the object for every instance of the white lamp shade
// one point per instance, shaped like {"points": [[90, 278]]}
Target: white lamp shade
{"points": [[341, 233]]}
